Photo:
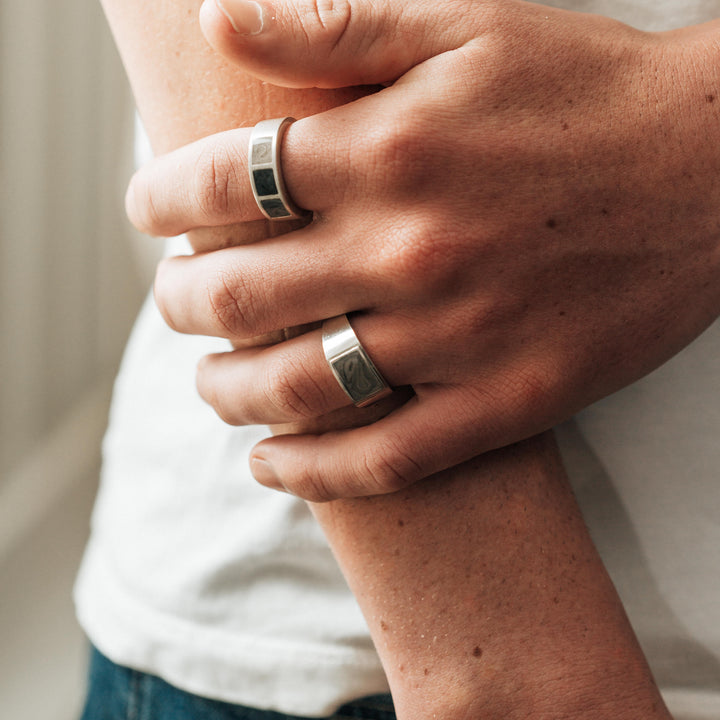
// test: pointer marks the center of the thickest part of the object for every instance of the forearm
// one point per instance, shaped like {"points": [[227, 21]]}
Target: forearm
{"points": [[481, 587], [486, 598]]}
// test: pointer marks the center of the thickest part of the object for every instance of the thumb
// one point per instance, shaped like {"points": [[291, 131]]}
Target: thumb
{"points": [[335, 43]]}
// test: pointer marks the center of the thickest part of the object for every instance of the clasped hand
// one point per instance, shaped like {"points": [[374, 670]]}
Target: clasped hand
{"points": [[521, 220]]}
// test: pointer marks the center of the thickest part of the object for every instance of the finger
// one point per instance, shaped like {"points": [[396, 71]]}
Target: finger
{"points": [[383, 457], [202, 184], [442, 426], [292, 380], [336, 43], [287, 382], [207, 184], [244, 292]]}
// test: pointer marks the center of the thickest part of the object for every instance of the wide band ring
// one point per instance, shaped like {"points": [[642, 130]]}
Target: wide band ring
{"points": [[353, 369], [265, 169]]}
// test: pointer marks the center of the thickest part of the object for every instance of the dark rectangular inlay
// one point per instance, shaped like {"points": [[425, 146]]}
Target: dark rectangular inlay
{"points": [[265, 182], [274, 208]]}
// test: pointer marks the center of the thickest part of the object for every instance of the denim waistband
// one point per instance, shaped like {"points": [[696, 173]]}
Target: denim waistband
{"points": [[120, 693]]}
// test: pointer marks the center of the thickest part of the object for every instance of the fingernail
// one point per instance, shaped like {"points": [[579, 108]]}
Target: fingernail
{"points": [[265, 474], [246, 16]]}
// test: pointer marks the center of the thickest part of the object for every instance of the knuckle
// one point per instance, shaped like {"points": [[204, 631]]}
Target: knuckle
{"points": [[387, 468], [214, 180], [527, 391], [161, 292], [418, 258], [325, 22], [393, 149], [291, 388], [224, 410], [141, 206], [309, 484], [228, 304], [531, 387], [535, 380], [210, 391]]}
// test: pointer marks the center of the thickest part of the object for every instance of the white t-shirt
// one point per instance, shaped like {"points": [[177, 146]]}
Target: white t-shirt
{"points": [[226, 589]]}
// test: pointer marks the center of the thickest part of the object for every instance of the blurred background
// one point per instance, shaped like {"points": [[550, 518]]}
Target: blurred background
{"points": [[72, 275]]}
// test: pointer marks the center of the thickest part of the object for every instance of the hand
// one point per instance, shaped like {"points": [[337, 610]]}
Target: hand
{"points": [[524, 221]]}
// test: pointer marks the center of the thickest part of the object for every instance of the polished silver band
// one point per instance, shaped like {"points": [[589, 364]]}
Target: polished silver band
{"points": [[265, 170], [351, 365]]}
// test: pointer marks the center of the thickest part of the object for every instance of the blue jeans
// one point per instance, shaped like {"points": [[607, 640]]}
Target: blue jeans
{"points": [[119, 693]]}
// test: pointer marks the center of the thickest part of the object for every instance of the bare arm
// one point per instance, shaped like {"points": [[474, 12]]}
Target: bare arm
{"points": [[481, 587], [486, 597]]}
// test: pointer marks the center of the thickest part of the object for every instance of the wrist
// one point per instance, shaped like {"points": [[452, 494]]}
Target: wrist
{"points": [[510, 616], [571, 684]]}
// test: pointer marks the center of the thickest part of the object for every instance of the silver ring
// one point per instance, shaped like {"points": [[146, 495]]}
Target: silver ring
{"points": [[351, 365], [266, 178]]}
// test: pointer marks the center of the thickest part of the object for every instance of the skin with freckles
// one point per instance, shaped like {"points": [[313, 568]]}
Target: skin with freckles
{"points": [[518, 619], [481, 588], [530, 226]]}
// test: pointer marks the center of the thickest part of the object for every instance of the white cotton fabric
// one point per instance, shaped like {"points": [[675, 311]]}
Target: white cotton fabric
{"points": [[197, 574]]}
